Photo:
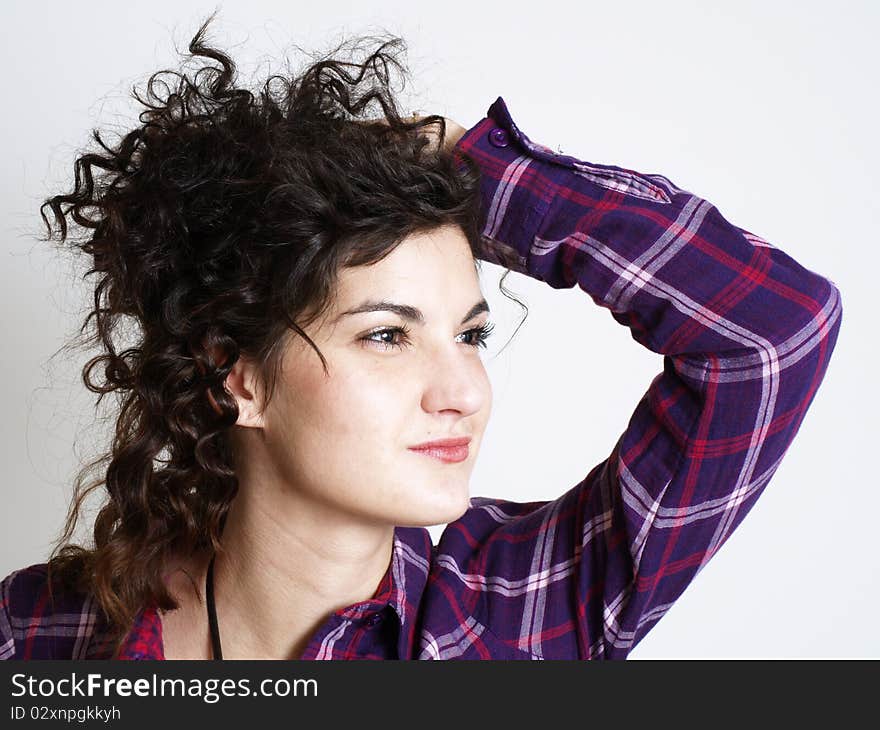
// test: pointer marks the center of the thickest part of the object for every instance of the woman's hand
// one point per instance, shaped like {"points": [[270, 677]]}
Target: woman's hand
{"points": [[454, 132]]}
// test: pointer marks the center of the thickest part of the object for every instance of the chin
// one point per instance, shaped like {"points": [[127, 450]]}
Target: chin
{"points": [[424, 515]]}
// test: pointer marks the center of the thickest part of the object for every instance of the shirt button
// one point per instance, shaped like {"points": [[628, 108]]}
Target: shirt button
{"points": [[498, 137], [373, 619]]}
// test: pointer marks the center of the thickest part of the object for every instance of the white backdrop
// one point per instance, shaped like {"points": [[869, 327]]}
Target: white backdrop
{"points": [[769, 111]]}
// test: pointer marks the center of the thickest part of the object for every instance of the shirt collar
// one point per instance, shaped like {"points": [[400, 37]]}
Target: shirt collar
{"points": [[398, 595], [400, 591]]}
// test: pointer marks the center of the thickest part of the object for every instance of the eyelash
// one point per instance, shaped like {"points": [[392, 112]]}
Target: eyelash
{"points": [[481, 333]]}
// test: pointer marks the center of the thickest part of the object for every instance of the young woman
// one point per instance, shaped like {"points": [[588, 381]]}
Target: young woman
{"points": [[305, 392]]}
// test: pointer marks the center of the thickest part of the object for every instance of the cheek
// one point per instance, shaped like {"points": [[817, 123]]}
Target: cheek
{"points": [[366, 413], [345, 438], [368, 407], [350, 409]]}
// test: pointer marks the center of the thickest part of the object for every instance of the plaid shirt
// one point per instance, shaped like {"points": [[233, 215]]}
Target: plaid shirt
{"points": [[746, 334]]}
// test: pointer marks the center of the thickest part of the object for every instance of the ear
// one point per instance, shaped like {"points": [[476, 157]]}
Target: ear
{"points": [[241, 384]]}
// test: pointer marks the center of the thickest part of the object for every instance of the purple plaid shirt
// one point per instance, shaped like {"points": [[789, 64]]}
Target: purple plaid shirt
{"points": [[746, 334]]}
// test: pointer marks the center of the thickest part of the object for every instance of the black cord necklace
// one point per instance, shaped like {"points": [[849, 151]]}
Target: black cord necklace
{"points": [[212, 611]]}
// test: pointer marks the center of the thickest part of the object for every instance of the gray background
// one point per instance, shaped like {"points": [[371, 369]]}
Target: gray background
{"points": [[768, 110]]}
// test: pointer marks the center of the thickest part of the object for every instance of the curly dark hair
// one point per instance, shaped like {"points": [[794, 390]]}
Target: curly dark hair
{"points": [[217, 227]]}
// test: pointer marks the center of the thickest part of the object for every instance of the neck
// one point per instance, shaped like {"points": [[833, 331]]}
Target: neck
{"points": [[288, 562]]}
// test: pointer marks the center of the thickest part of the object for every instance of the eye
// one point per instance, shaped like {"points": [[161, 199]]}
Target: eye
{"points": [[397, 337], [389, 333], [479, 335]]}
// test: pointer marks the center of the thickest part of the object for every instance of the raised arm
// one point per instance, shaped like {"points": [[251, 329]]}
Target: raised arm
{"points": [[746, 334]]}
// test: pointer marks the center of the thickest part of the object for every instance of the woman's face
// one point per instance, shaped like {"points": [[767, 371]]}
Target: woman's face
{"points": [[345, 438]]}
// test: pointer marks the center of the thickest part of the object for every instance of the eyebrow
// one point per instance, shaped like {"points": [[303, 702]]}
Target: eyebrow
{"points": [[408, 312]]}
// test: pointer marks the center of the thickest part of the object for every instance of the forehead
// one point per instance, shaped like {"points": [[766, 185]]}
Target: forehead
{"points": [[434, 266]]}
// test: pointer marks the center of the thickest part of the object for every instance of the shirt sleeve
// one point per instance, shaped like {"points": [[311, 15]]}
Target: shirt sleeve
{"points": [[7, 640], [746, 334]]}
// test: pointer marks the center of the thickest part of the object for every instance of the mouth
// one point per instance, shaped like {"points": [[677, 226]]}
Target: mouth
{"points": [[451, 451]]}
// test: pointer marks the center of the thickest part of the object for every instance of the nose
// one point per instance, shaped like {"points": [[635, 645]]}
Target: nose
{"points": [[455, 381]]}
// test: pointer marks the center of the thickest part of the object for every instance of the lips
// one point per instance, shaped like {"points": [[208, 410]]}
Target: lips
{"points": [[447, 450]]}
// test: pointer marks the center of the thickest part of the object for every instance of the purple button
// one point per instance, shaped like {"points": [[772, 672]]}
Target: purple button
{"points": [[498, 137], [373, 619]]}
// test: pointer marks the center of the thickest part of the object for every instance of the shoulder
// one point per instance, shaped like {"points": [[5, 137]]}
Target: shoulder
{"points": [[19, 583], [491, 522], [39, 621], [483, 574], [20, 593], [43, 620]]}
